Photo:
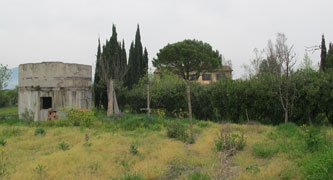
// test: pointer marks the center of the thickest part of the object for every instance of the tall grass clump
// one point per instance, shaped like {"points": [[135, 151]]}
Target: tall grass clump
{"points": [[319, 166], [40, 131], [63, 146], [227, 140], [177, 130], [264, 150], [288, 130]]}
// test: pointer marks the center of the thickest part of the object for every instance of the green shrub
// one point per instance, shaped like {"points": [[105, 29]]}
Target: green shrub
{"points": [[63, 146], [227, 140], [131, 122], [81, 117], [288, 130], [177, 130], [28, 116], [313, 137], [39, 131], [13, 121], [2, 142], [197, 175], [264, 150], [319, 166], [134, 149]]}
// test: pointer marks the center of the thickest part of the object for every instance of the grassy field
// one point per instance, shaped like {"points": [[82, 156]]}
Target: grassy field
{"points": [[119, 150], [8, 111]]}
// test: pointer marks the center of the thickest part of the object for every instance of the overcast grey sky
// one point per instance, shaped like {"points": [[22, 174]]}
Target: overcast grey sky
{"points": [[67, 30]]}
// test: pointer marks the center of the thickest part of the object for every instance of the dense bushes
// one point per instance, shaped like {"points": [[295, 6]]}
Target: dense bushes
{"points": [[238, 101], [81, 117], [8, 97]]}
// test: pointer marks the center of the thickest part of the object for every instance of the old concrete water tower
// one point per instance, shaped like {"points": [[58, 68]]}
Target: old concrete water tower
{"points": [[53, 85]]}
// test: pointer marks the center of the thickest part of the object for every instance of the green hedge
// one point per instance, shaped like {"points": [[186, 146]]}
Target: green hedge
{"points": [[230, 99]]}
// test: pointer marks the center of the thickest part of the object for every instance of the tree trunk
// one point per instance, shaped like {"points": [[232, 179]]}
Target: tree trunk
{"points": [[189, 104], [286, 116], [148, 100], [247, 116], [115, 103], [286, 113], [110, 98]]}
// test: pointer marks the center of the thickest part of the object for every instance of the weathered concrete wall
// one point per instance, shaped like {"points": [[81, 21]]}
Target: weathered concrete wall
{"points": [[69, 85]]}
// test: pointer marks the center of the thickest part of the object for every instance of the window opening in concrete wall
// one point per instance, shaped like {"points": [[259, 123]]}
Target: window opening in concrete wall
{"points": [[46, 102]]}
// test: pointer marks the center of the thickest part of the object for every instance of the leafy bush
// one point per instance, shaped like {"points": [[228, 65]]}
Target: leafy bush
{"points": [[319, 166], [264, 150], [81, 117], [313, 138], [2, 142], [40, 131], [177, 130], [234, 100], [28, 116], [63, 146], [227, 140]]}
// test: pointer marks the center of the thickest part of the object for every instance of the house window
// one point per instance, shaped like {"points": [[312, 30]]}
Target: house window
{"points": [[46, 102], [206, 77]]}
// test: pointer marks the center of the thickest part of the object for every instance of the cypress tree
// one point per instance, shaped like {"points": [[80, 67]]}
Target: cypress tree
{"points": [[323, 54], [329, 58], [137, 65], [132, 64], [123, 57], [97, 79], [138, 55]]}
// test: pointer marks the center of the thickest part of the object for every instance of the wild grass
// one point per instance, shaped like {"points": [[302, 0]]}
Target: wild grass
{"points": [[138, 147], [8, 111]]}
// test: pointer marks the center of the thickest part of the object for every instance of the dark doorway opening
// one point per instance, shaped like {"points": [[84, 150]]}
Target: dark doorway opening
{"points": [[46, 102]]}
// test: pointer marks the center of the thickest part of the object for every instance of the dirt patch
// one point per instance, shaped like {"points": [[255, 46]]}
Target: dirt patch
{"points": [[226, 169]]}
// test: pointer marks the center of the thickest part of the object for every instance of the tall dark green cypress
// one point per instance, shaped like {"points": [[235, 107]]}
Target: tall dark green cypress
{"points": [[97, 79], [123, 57], [130, 75], [329, 58], [137, 67], [115, 54], [323, 54]]}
